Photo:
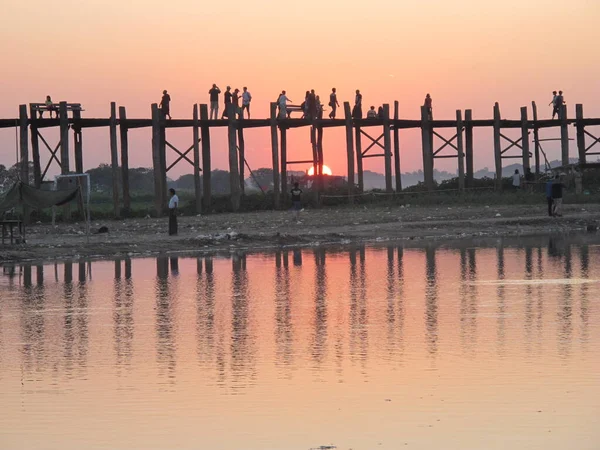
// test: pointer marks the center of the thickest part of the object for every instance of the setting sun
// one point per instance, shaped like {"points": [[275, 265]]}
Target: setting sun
{"points": [[326, 171]]}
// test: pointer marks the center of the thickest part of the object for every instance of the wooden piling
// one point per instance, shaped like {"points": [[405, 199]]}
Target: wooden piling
{"points": [[536, 139], [78, 140], [580, 133], [124, 135], [564, 135], [397, 148], [158, 187], [234, 174], [461, 155], [283, 170], [114, 158], [525, 139], [23, 144], [242, 158], [497, 147], [320, 161], [206, 164], [359, 159], [35, 147], [469, 147], [64, 138], [349, 150], [427, 148], [162, 153], [196, 137], [275, 154], [387, 148]]}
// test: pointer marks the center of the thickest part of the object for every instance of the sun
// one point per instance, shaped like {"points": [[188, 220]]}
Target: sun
{"points": [[326, 171]]}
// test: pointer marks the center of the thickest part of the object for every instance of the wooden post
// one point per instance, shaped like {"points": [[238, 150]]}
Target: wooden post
{"points": [[77, 139], [242, 157], [397, 148], [461, 155], [349, 151], [469, 146], [275, 154], [564, 135], [158, 187], [64, 138], [114, 158], [196, 137], [359, 159], [162, 154], [536, 139], [124, 159], [525, 139], [234, 174], [206, 165], [283, 171], [497, 147], [387, 148], [427, 143], [580, 133], [23, 144], [317, 171], [35, 148], [320, 161]]}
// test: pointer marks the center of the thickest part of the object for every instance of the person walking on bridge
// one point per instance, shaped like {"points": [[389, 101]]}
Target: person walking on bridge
{"points": [[357, 111], [282, 103], [333, 102], [165, 105], [428, 104], [227, 98], [560, 101], [246, 99], [214, 101], [553, 103]]}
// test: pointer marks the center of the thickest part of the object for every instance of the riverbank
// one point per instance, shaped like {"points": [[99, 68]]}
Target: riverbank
{"points": [[275, 229]]}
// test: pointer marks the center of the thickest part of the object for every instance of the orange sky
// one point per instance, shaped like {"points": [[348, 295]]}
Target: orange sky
{"points": [[466, 53]]}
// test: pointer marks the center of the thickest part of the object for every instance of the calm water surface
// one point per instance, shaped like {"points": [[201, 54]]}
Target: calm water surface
{"points": [[362, 348]]}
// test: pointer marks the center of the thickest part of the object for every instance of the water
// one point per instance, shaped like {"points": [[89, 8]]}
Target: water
{"points": [[466, 348]]}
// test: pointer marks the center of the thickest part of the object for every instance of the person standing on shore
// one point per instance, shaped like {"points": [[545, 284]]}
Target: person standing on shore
{"points": [[557, 194], [246, 99], [173, 205], [227, 98], [214, 101], [516, 180], [549, 197], [357, 110], [428, 104], [165, 105], [296, 201], [333, 102]]}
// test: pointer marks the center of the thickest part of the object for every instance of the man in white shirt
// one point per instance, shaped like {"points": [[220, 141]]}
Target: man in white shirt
{"points": [[246, 99], [173, 205], [516, 179], [282, 103]]}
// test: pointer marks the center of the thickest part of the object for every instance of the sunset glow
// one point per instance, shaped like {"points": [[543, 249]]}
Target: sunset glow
{"points": [[326, 171]]}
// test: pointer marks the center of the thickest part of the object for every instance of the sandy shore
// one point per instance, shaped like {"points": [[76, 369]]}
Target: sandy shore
{"points": [[222, 232]]}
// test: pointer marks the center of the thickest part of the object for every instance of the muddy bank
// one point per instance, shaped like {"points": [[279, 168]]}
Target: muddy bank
{"points": [[264, 230]]}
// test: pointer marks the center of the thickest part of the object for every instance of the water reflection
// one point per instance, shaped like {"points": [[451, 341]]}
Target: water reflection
{"points": [[298, 324]]}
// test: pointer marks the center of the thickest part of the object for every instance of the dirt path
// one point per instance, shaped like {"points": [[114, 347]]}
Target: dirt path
{"points": [[137, 237]]}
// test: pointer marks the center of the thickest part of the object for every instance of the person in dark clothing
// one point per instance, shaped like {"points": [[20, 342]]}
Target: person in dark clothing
{"points": [[558, 104], [165, 105], [529, 180], [312, 105], [235, 100], [549, 197], [214, 101], [380, 112], [296, 200], [357, 110], [557, 193], [173, 205], [333, 103], [227, 97]]}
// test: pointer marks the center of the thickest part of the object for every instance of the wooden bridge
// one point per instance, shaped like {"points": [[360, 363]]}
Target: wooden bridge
{"points": [[382, 133]]}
